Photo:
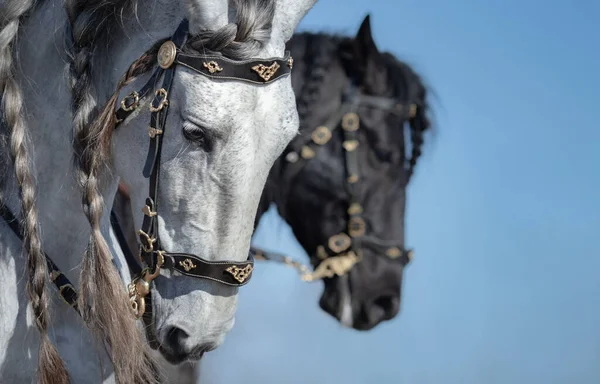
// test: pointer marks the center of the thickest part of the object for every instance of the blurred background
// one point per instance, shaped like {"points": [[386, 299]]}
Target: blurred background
{"points": [[503, 212]]}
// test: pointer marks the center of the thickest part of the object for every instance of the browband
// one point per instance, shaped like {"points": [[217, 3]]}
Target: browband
{"points": [[251, 71]]}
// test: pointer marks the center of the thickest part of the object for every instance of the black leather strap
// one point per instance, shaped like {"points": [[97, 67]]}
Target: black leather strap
{"points": [[252, 71], [132, 263], [131, 101], [66, 291], [224, 272]]}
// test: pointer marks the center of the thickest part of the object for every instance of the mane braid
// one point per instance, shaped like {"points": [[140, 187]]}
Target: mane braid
{"points": [[245, 37], [103, 301], [51, 368], [320, 49], [408, 85]]}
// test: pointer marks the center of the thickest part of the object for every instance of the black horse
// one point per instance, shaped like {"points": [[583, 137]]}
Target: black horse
{"points": [[341, 184]]}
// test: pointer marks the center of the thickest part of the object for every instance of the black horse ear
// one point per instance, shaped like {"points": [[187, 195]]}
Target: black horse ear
{"points": [[364, 43], [366, 55]]}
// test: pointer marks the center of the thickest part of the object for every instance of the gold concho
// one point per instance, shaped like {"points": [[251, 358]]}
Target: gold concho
{"points": [[266, 72], [356, 227], [240, 274], [339, 243], [350, 145], [321, 135], [307, 153], [393, 253], [352, 179], [187, 264], [212, 66], [290, 62], [350, 122], [166, 54]]}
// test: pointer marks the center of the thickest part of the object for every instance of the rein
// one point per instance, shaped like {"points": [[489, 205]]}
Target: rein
{"points": [[343, 250], [152, 257]]}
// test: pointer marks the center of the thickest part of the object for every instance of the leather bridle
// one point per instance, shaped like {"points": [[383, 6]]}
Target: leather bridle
{"points": [[152, 257], [342, 250], [152, 254]]}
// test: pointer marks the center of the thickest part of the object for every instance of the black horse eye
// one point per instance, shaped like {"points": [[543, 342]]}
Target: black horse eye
{"points": [[383, 155], [197, 135]]}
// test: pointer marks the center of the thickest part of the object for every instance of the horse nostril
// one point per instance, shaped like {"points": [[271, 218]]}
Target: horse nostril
{"points": [[176, 339], [389, 304]]}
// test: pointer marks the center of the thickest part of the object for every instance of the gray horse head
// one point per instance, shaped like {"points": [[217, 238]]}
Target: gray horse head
{"points": [[223, 137], [220, 139]]}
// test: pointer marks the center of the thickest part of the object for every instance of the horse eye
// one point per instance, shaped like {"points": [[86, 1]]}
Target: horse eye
{"points": [[196, 135], [384, 155]]}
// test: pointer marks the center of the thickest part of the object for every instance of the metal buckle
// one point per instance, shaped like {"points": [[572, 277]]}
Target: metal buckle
{"points": [[163, 102], [139, 287], [133, 105], [149, 247], [148, 211]]}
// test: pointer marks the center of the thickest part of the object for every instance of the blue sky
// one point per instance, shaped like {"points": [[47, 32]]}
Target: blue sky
{"points": [[503, 212]]}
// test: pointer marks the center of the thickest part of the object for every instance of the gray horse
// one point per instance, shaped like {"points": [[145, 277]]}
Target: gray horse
{"points": [[64, 67]]}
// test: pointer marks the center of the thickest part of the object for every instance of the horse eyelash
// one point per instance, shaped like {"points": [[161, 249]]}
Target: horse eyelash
{"points": [[197, 135]]}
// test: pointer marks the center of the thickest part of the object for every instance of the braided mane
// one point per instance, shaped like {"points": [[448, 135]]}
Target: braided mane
{"points": [[14, 132]]}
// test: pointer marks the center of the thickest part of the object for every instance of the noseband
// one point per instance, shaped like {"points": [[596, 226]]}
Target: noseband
{"points": [[343, 250], [152, 254]]}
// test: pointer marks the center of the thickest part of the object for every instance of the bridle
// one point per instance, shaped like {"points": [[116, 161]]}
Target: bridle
{"points": [[152, 254], [342, 250], [152, 257]]}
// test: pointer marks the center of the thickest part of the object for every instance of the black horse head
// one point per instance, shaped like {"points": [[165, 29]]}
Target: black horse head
{"points": [[345, 176]]}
